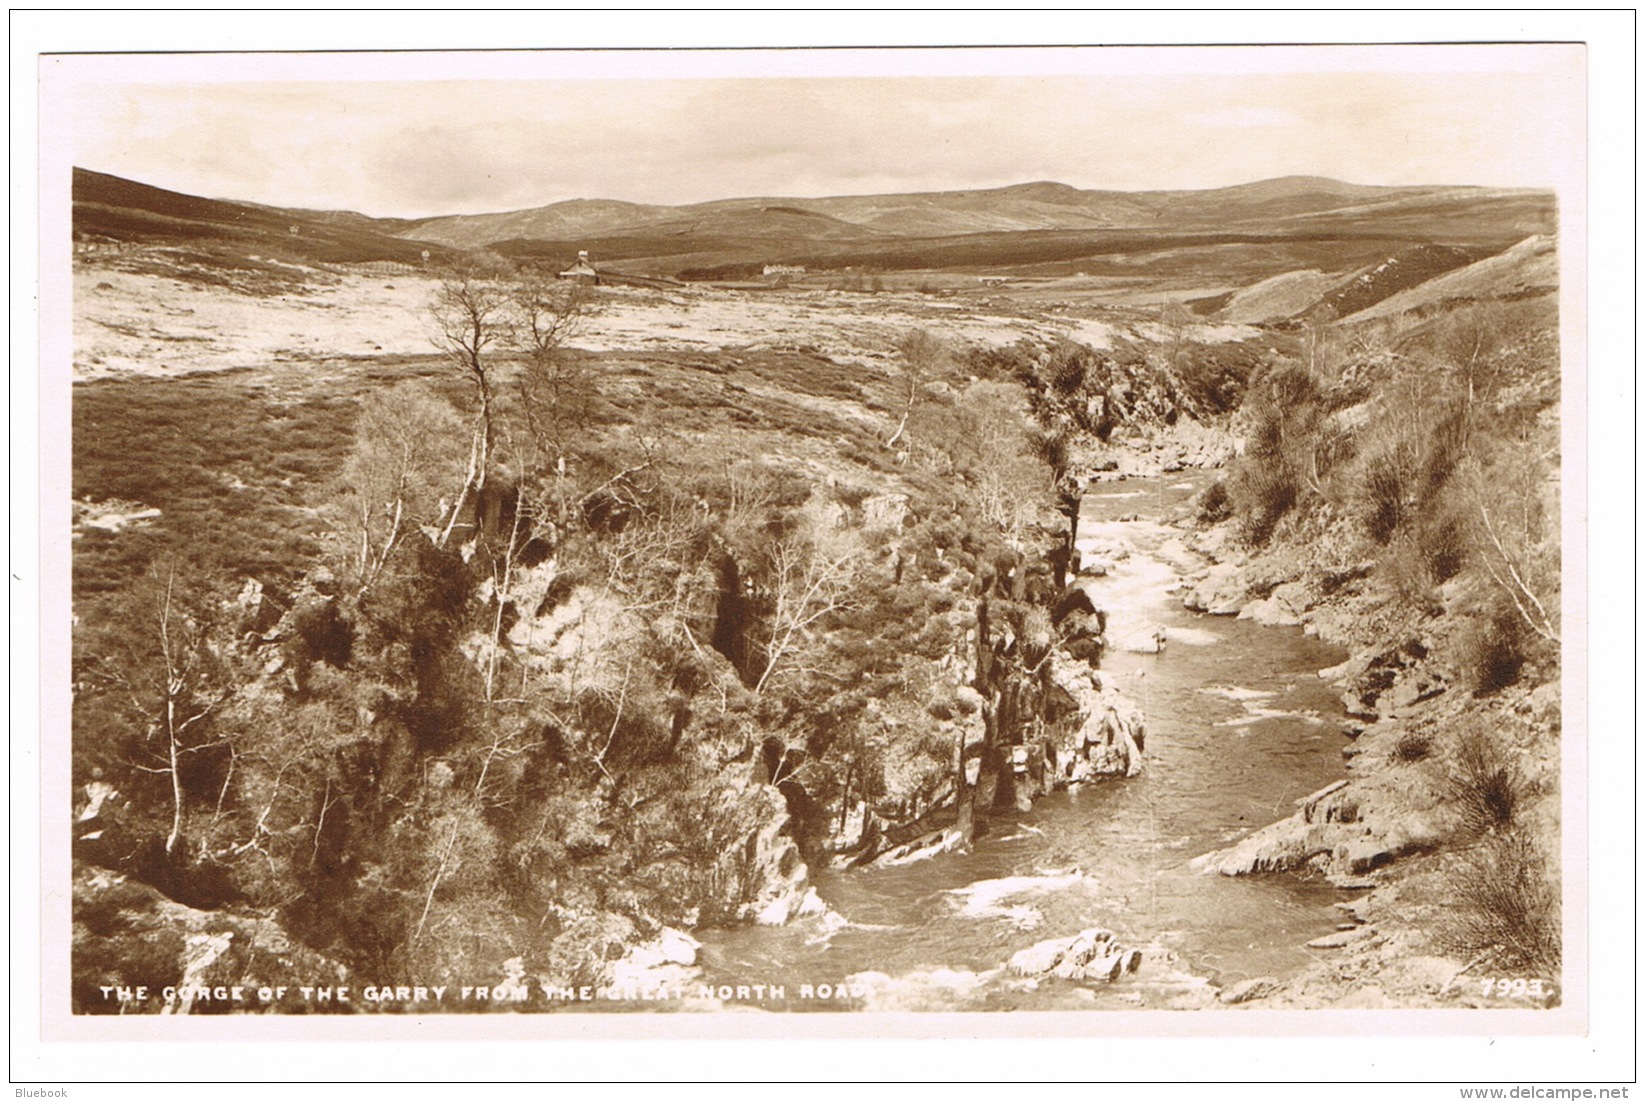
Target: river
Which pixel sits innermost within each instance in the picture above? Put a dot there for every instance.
(1239, 727)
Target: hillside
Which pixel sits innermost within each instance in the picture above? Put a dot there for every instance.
(111, 209)
(1287, 295)
(1528, 268)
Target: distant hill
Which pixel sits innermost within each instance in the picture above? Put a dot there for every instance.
(570, 219)
(1043, 205)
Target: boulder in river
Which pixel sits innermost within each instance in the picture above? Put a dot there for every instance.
(1222, 592)
(1344, 938)
(1091, 954)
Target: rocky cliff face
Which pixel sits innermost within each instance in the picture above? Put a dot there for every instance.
(1020, 709)
(1105, 733)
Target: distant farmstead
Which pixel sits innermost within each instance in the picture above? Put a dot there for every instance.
(784, 270)
(582, 271)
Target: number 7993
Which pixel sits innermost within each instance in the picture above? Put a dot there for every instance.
(1517, 988)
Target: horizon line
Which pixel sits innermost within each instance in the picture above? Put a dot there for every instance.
(816, 198)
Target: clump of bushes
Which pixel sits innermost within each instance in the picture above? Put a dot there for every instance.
(1287, 408)
(1505, 891)
(1214, 377)
(1382, 495)
(1213, 505)
(1261, 497)
(1443, 541)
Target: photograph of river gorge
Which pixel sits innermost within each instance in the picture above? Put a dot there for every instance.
(618, 535)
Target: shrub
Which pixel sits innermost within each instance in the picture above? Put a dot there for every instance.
(1404, 574)
(1443, 543)
(1447, 443)
(1492, 650)
(1213, 504)
(1383, 497)
(1066, 370)
(1483, 782)
(1214, 378)
(1412, 746)
(1262, 494)
(1507, 904)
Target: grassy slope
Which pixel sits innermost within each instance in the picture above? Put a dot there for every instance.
(240, 462)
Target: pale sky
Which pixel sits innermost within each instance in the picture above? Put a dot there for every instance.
(492, 132)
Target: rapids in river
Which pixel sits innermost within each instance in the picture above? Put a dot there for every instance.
(1240, 726)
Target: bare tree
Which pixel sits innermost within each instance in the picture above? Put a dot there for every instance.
(1476, 344)
(1516, 542)
(556, 389)
(1322, 343)
(1176, 319)
(470, 316)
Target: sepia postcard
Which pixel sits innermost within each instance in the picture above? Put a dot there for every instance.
(760, 544)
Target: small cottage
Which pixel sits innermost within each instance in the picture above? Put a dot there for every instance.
(582, 271)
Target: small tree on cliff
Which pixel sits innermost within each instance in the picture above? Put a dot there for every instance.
(1176, 319)
(165, 677)
(809, 577)
(556, 389)
(406, 454)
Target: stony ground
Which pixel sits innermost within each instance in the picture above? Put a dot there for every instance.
(161, 318)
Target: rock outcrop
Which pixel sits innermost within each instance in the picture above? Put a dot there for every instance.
(1248, 991)
(770, 863)
(1331, 833)
(1221, 592)
(1108, 736)
(1284, 607)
